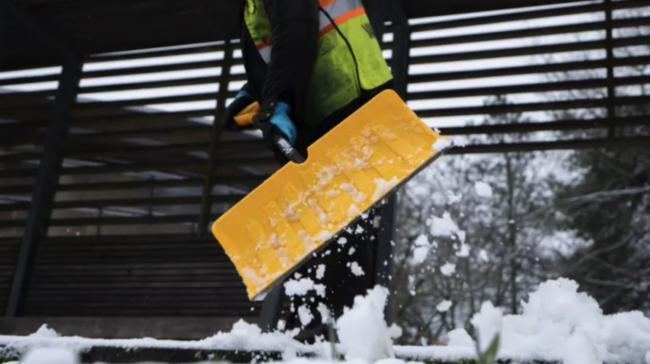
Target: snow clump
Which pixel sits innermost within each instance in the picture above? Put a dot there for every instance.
(356, 269)
(305, 315)
(459, 337)
(444, 226)
(487, 322)
(45, 331)
(444, 306)
(420, 254)
(483, 189)
(50, 356)
(320, 271)
(442, 143)
(448, 269)
(421, 249)
(362, 331)
(300, 287)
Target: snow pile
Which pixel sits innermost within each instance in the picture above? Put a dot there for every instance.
(50, 356)
(487, 324)
(560, 323)
(362, 331)
(242, 337)
(249, 337)
(45, 331)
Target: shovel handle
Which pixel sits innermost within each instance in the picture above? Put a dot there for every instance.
(287, 150)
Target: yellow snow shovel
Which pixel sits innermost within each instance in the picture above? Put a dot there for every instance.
(297, 210)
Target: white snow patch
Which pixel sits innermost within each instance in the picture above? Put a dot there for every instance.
(448, 269)
(420, 254)
(442, 143)
(45, 331)
(50, 356)
(459, 337)
(342, 241)
(444, 306)
(559, 323)
(562, 243)
(305, 315)
(356, 269)
(362, 330)
(483, 189)
(463, 251)
(383, 186)
(300, 287)
(483, 255)
(487, 322)
(421, 240)
(320, 271)
(324, 312)
(454, 198)
(443, 226)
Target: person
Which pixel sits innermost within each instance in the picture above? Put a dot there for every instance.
(310, 64)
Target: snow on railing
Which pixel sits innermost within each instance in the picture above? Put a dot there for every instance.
(557, 324)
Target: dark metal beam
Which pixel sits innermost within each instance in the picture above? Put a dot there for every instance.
(217, 128)
(45, 186)
(601, 143)
(399, 66)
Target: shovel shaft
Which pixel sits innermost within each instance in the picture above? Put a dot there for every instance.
(287, 149)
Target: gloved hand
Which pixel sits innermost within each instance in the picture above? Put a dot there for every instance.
(242, 100)
(274, 118)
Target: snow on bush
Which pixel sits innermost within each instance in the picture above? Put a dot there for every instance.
(560, 323)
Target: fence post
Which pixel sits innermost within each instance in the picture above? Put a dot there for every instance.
(399, 65)
(217, 128)
(45, 185)
(611, 88)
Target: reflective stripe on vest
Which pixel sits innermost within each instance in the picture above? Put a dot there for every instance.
(339, 10)
(340, 72)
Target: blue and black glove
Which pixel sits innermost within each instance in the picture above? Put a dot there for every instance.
(243, 104)
(277, 127)
(274, 119)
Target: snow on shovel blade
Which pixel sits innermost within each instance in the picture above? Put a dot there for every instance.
(297, 210)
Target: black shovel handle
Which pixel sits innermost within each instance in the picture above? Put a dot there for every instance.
(282, 144)
(287, 149)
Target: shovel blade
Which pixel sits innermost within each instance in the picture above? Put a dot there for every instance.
(301, 207)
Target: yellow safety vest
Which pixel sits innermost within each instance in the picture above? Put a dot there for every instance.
(333, 83)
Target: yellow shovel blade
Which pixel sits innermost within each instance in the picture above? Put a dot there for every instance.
(301, 206)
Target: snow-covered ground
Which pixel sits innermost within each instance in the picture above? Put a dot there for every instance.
(558, 323)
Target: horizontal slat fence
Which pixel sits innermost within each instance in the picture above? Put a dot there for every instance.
(138, 187)
(579, 71)
(21, 147)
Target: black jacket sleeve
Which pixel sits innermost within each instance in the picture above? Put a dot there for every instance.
(294, 26)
